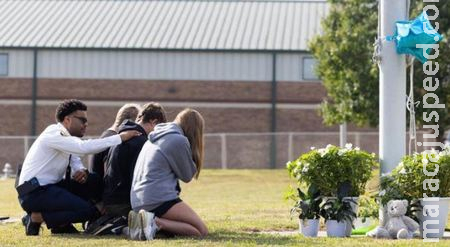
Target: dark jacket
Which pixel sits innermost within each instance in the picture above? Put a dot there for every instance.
(120, 166)
(98, 160)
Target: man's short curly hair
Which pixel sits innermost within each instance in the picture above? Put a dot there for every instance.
(67, 107)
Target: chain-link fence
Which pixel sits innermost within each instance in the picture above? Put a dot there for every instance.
(232, 150)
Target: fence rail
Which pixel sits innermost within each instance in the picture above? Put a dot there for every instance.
(230, 150)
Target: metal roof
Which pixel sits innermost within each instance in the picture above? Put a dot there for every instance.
(140, 24)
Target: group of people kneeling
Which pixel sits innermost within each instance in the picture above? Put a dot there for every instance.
(132, 186)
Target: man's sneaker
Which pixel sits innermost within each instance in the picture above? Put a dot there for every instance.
(32, 228)
(148, 224)
(25, 219)
(67, 229)
(135, 226)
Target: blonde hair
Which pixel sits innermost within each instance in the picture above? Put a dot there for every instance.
(192, 124)
(128, 111)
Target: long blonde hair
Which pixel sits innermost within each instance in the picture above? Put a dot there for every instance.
(192, 124)
(127, 111)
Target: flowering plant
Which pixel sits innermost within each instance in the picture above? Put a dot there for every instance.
(329, 167)
(414, 182)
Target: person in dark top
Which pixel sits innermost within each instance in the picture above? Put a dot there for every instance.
(122, 159)
(128, 111)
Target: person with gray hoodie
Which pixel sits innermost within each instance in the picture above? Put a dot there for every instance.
(174, 152)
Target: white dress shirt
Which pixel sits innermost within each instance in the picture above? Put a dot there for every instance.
(48, 157)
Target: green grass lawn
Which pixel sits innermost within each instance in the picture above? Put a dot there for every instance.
(239, 207)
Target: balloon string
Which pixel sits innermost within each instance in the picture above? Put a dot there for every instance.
(411, 105)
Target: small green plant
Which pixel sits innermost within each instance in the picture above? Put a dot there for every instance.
(340, 208)
(307, 205)
(331, 166)
(368, 208)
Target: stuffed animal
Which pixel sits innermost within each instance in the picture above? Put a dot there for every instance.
(397, 225)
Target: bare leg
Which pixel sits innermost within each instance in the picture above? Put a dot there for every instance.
(182, 220)
(177, 228)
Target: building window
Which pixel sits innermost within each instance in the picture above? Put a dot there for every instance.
(3, 64)
(309, 69)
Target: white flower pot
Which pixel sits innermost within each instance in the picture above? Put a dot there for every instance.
(336, 229)
(435, 223)
(355, 207)
(309, 228)
(360, 224)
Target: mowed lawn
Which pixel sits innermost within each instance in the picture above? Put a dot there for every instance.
(240, 207)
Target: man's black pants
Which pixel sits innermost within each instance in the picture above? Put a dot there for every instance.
(65, 202)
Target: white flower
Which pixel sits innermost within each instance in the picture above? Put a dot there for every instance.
(373, 154)
(305, 169)
(357, 149)
(312, 148)
(329, 146)
(348, 146)
(402, 171)
(341, 152)
(383, 192)
(322, 152)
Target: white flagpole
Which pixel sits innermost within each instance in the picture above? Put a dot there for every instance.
(392, 88)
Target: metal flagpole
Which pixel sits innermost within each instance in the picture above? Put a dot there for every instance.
(392, 88)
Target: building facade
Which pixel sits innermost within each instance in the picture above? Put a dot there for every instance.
(243, 64)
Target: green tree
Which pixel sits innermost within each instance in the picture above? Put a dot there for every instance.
(344, 52)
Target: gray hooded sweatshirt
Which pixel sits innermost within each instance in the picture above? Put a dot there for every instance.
(164, 159)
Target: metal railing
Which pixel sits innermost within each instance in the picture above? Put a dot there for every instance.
(230, 150)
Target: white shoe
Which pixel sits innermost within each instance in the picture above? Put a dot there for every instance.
(134, 226)
(148, 224)
(126, 231)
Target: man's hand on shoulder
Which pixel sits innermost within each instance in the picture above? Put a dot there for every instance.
(127, 135)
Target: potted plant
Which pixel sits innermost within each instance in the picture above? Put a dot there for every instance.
(331, 166)
(307, 205)
(431, 187)
(338, 212)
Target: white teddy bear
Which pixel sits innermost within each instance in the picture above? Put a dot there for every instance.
(397, 225)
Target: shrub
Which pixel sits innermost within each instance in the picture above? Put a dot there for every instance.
(409, 175)
(331, 166)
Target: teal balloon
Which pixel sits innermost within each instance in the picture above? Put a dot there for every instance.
(418, 31)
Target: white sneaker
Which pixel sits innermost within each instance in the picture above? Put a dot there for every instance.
(135, 226)
(148, 224)
(126, 231)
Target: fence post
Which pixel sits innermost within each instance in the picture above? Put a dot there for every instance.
(223, 142)
(25, 146)
(290, 146)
